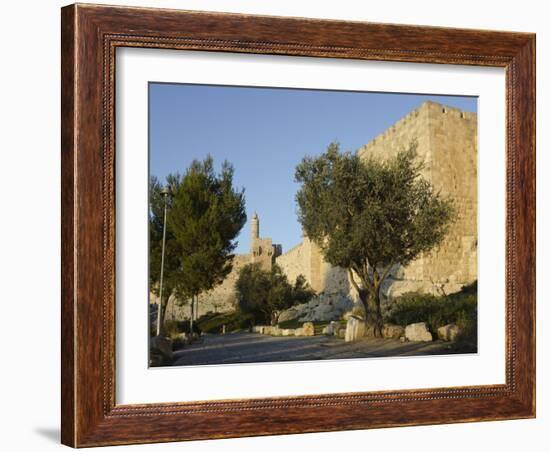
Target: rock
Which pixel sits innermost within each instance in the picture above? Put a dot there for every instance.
(392, 331)
(276, 331)
(162, 346)
(299, 332)
(342, 333)
(289, 314)
(330, 329)
(182, 338)
(308, 329)
(448, 332)
(287, 332)
(355, 329)
(321, 308)
(403, 339)
(418, 332)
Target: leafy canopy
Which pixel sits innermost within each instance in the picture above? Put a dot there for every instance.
(205, 216)
(369, 214)
(172, 252)
(265, 293)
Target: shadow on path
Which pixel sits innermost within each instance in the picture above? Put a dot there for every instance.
(253, 348)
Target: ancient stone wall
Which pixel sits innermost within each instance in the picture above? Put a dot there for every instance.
(306, 259)
(296, 261)
(220, 299)
(447, 143)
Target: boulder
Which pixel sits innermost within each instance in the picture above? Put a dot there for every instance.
(418, 332)
(448, 332)
(287, 332)
(392, 331)
(342, 333)
(355, 329)
(161, 346)
(321, 308)
(290, 314)
(331, 329)
(299, 332)
(308, 329)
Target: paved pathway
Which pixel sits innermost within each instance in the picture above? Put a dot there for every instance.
(253, 348)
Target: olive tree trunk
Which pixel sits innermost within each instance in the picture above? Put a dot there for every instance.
(370, 298)
(373, 314)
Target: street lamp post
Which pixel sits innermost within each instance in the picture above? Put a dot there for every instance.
(165, 192)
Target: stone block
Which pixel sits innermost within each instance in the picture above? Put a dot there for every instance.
(418, 332)
(392, 331)
(355, 329)
(308, 329)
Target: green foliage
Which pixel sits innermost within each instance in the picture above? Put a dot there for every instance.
(466, 342)
(204, 215)
(172, 253)
(233, 321)
(459, 308)
(264, 294)
(172, 328)
(369, 215)
(301, 291)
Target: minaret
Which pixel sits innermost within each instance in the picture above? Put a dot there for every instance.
(254, 229)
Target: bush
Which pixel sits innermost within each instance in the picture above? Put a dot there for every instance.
(233, 321)
(173, 328)
(264, 294)
(459, 308)
(466, 342)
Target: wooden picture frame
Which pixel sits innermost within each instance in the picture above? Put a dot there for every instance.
(90, 36)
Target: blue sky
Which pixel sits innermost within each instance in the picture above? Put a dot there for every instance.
(264, 133)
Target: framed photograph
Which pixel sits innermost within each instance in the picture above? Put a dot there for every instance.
(281, 225)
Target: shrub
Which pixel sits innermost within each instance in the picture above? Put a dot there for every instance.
(466, 341)
(173, 328)
(459, 308)
(233, 321)
(264, 294)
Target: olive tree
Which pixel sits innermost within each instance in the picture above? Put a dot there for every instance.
(368, 215)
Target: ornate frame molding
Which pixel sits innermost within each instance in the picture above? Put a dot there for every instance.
(90, 36)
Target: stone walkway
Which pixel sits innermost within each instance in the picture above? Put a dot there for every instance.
(253, 348)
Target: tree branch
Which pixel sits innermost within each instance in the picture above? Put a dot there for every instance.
(352, 279)
(390, 266)
(364, 279)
